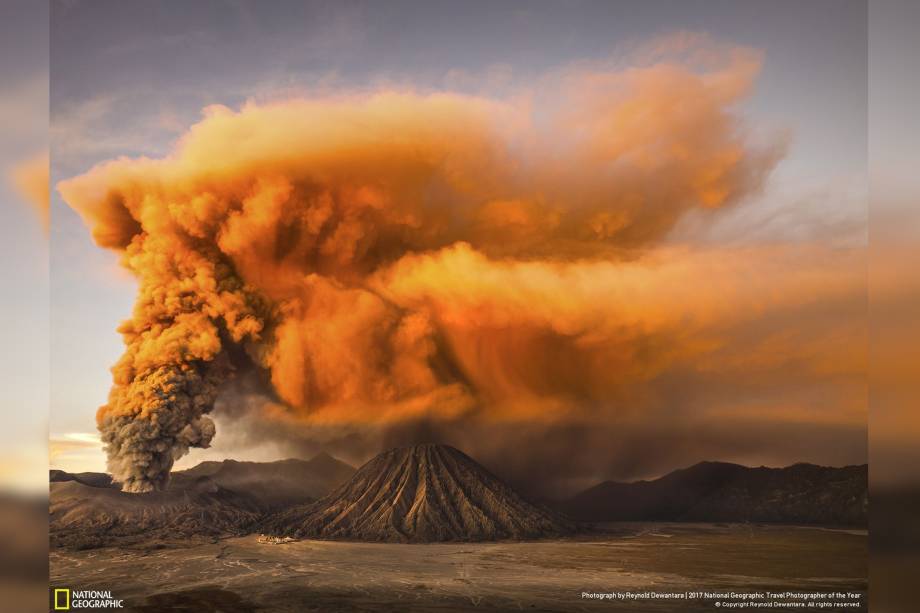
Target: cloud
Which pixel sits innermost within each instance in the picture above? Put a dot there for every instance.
(398, 264)
(76, 451)
(32, 178)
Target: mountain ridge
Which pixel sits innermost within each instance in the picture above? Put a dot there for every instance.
(277, 484)
(415, 500)
(721, 491)
(212, 499)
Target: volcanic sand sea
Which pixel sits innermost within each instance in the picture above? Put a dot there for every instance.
(241, 574)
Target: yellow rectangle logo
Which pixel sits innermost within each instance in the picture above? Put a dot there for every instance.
(65, 592)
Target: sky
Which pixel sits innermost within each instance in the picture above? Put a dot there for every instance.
(894, 284)
(130, 78)
(24, 267)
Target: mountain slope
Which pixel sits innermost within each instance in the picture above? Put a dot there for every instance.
(274, 484)
(423, 493)
(90, 479)
(212, 499)
(718, 491)
(83, 516)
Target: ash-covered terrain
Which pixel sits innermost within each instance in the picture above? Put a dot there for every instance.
(427, 493)
(244, 575)
(427, 528)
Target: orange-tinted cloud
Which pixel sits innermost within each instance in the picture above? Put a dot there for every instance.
(32, 179)
(397, 255)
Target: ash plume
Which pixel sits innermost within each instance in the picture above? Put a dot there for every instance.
(395, 256)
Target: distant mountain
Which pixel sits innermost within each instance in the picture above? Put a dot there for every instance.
(428, 493)
(423, 493)
(721, 492)
(90, 479)
(83, 516)
(274, 484)
(209, 500)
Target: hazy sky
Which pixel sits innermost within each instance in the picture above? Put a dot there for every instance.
(895, 237)
(24, 265)
(128, 78)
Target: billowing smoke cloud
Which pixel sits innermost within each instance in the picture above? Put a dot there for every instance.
(395, 257)
(591, 370)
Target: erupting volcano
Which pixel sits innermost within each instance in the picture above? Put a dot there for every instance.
(386, 257)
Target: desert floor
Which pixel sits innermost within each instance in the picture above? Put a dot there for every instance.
(243, 575)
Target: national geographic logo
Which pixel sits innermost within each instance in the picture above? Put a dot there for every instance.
(61, 599)
(66, 599)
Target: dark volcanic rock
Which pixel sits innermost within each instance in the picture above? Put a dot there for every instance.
(210, 500)
(83, 516)
(721, 492)
(424, 493)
